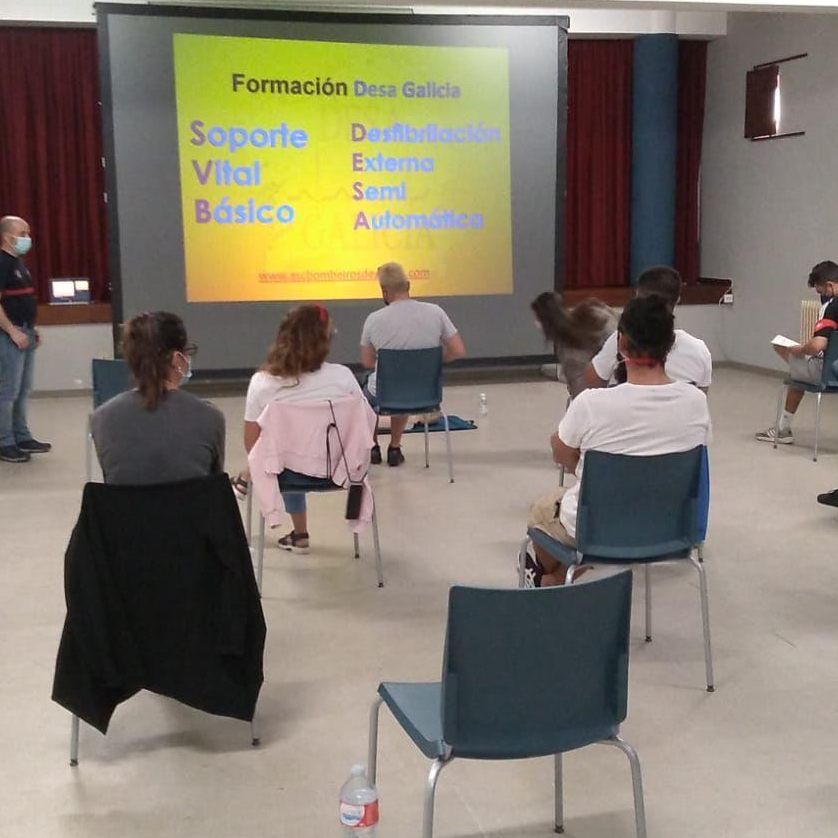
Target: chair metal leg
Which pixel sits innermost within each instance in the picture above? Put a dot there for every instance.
(705, 620)
(636, 782)
(427, 438)
(571, 572)
(448, 448)
(558, 821)
(522, 561)
(357, 545)
(260, 553)
(376, 543)
(780, 405)
(248, 517)
(817, 427)
(255, 741)
(699, 549)
(430, 795)
(88, 455)
(372, 747)
(648, 581)
(74, 741)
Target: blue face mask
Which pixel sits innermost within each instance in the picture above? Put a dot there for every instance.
(23, 244)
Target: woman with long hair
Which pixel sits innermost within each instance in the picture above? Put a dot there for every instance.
(157, 433)
(577, 333)
(296, 370)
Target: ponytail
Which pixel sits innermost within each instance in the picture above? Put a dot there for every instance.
(148, 341)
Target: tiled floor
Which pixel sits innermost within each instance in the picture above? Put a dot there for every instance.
(758, 758)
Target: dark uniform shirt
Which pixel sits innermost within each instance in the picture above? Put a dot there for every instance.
(828, 322)
(17, 293)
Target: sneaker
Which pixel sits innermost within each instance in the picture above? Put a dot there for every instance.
(829, 498)
(240, 487)
(532, 572)
(13, 454)
(394, 456)
(32, 446)
(375, 455)
(785, 437)
(294, 542)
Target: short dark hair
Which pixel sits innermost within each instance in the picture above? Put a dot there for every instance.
(822, 273)
(661, 280)
(648, 325)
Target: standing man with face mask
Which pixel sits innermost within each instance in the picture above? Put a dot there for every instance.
(18, 341)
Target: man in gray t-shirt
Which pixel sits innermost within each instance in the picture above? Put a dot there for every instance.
(403, 324)
(181, 438)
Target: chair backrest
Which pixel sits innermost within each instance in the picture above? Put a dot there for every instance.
(409, 380)
(639, 507)
(562, 650)
(110, 378)
(830, 363)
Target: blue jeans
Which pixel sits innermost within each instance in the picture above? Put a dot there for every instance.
(16, 367)
(295, 502)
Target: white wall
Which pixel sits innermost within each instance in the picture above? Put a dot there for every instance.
(769, 209)
(63, 360)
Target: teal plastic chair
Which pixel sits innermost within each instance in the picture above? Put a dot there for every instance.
(492, 671)
(109, 379)
(409, 381)
(828, 384)
(639, 510)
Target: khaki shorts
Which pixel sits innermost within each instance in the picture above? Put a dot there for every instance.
(806, 368)
(544, 516)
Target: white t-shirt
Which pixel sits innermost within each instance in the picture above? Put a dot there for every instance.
(331, 381)
(406, 324)
(640, 419)
(689, 360)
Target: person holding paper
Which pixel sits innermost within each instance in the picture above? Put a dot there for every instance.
(806, 361)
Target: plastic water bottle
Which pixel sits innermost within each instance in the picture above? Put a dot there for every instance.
(484, 405)
(359, 805)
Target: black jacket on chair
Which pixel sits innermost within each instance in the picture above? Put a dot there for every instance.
(160, 596)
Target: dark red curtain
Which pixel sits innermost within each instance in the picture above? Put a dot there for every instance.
(51, 151)
(692, 75)
(597, 233)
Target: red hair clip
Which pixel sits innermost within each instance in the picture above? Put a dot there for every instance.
(323, 314)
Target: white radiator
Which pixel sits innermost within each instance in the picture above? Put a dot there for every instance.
(809, 315)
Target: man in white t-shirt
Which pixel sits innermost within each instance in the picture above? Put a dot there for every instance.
(650, 414)
(689, 359)
(404, 323)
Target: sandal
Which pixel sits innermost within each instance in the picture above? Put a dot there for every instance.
(294, 542)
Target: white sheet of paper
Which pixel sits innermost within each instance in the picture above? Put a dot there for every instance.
(782, 340)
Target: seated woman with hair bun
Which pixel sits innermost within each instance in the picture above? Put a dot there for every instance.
(157, 433)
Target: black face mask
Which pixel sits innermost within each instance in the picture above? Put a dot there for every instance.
(825, 298)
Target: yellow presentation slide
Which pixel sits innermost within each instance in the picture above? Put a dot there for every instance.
(304, 165)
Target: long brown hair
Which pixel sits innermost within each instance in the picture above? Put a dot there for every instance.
(579, 327)
(302, 342)
(148, 342)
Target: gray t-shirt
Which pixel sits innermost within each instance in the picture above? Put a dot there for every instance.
(182, 438)
(406, 324)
